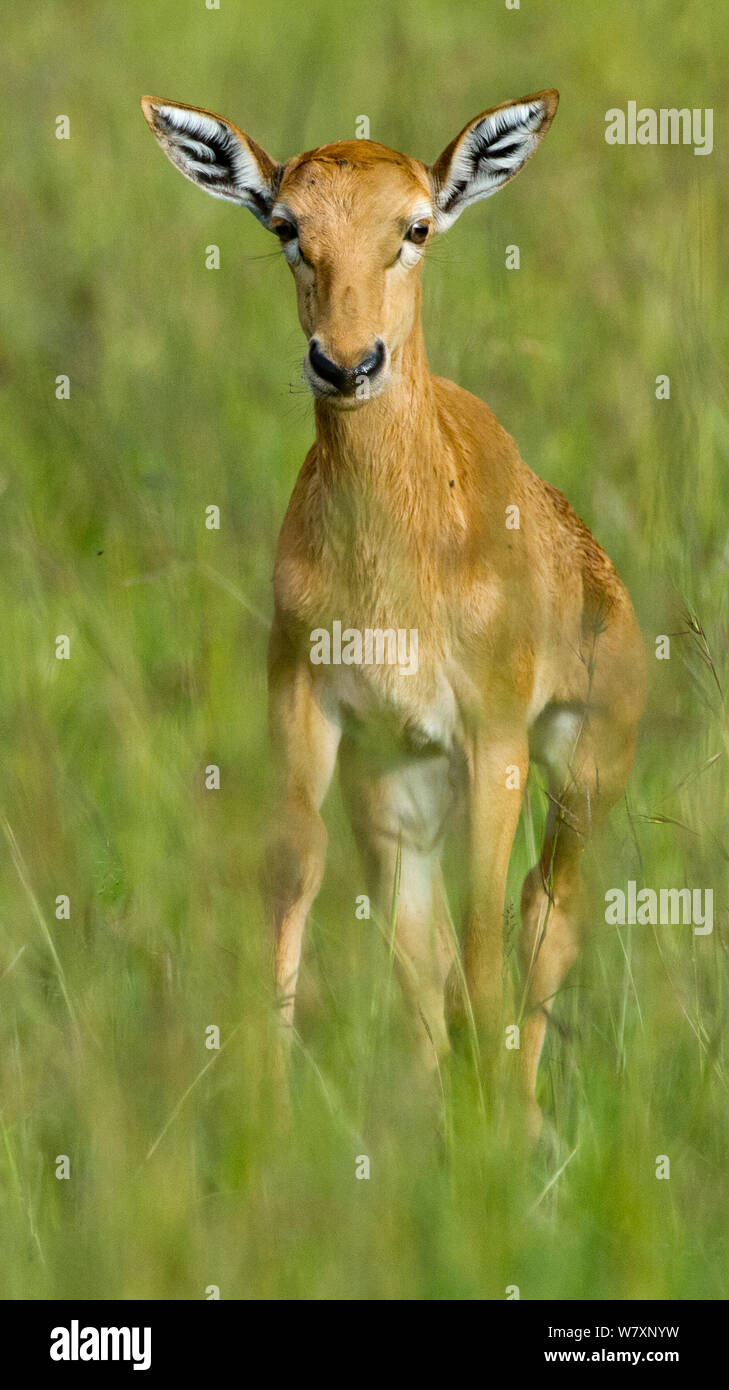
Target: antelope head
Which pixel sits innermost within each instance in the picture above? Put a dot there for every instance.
(354, 220)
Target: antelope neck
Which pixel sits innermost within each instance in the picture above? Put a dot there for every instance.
(390, 443)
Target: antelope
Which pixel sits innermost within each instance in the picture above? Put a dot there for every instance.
(528, 644)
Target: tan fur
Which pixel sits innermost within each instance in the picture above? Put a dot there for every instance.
(528, 645)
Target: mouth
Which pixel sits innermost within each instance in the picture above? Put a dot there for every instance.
(341, 401)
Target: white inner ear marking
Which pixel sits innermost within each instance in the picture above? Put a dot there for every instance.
(211, 154)
(196, 147)
(492, 151)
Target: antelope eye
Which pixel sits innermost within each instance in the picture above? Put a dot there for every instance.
(285, 231)
(418, 233)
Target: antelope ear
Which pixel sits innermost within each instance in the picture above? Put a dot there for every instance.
(215, 155)
(489, 151)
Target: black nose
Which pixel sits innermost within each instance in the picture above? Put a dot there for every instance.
(346, 379)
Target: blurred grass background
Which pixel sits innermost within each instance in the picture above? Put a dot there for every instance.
(184, 393)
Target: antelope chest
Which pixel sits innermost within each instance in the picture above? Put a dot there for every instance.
(386, 684)
(390, 649)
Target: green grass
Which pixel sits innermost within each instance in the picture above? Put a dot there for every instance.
(180, 398)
